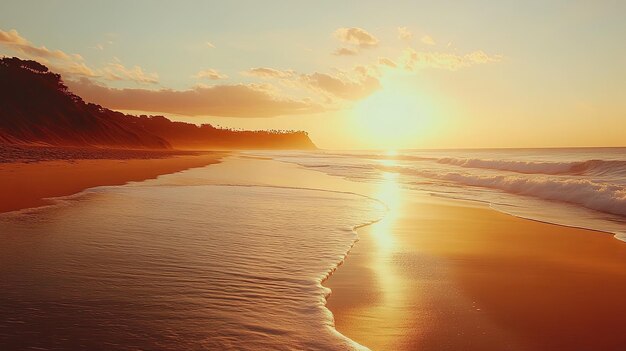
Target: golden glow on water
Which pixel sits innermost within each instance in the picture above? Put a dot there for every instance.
(386, 245)
(388, 192)
(209, 266)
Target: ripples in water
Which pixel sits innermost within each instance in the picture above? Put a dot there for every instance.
(177, 268)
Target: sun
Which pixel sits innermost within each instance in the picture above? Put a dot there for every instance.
(393, 119)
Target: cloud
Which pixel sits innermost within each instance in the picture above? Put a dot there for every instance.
(450, 61)
(404, 33)
(12, 37)
(345, 52)
(480, 56)
(210, 45)
(427, 39)
(102, 46)
(116, 71)
(14, 41)
(73, 65)
(265, 72)
(57, 60)
(211, 74)
(240, 100)
(342, 86)
(356, 36)
(73, 69)
(387, 62)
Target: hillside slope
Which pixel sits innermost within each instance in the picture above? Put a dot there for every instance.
(36, 108)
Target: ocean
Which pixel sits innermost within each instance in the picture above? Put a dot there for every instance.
(177, 263)
(579, 187)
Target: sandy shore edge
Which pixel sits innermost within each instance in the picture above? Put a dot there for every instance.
(26, 185)
(446, 275)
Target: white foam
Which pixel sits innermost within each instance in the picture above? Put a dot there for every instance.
(602, 197)
(538, 167)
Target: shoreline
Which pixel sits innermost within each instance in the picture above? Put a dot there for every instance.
(616, 235)
(33, 184)
(445, 275)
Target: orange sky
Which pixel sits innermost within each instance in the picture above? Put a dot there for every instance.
(398, 74)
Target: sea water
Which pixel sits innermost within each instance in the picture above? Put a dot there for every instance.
(195, 266)
(580, 187)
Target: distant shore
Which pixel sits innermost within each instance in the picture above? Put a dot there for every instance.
(449, 275)
(29, 176)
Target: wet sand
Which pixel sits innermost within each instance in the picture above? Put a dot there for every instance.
(449, 275)
(29, 184)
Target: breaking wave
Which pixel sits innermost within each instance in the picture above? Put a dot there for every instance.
(608, 198)
(587, 167)
(590, 167)
(583, 187)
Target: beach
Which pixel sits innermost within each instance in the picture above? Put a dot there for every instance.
(312, 176)
(240, 254)
(29, 176)
(451, 275)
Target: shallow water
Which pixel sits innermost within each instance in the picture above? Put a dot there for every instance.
(584, 187)
(156, 266)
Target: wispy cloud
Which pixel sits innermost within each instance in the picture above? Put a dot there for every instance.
(427, 39)
(116, 71)
(102, 46)
(345, 52)
(73, 65)
(266, 72)
(450, 61)
(356, 36)
(57, 60)
(404, 33)
(340, 85)
(14, 41)
(387, 62)
(239, 100)
(211, 74)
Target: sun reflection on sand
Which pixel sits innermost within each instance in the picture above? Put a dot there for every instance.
(389, 191)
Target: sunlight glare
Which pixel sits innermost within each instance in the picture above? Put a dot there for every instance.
(388, 191)
(394, 118)
(391, 153)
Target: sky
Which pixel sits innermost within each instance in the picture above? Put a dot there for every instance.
(354, 74)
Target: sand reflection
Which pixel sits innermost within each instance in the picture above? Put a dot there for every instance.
(388, 192)
(389, 316)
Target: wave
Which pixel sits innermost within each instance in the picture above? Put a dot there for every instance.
(603, 197)
(590, 167)
(589, 192)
